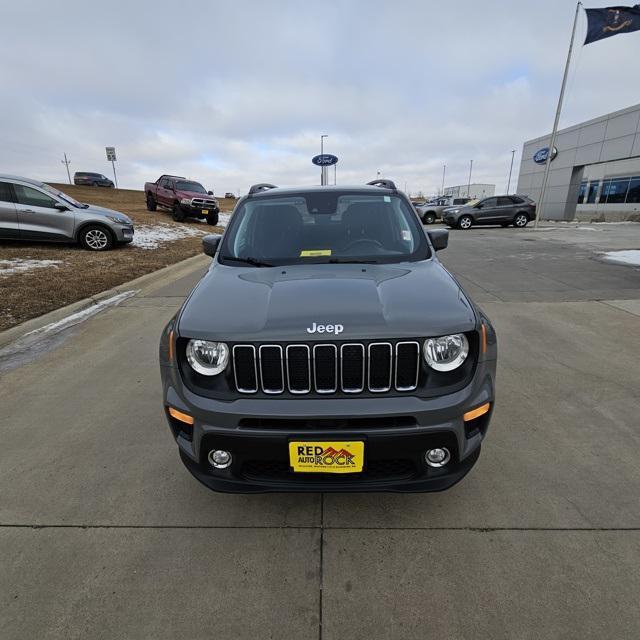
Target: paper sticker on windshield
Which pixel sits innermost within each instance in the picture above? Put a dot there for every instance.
(387, 199)
(406, 235)
(312, 253)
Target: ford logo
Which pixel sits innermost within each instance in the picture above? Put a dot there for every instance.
(540, 157)
(324, 160)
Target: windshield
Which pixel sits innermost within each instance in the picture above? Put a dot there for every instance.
(324, 227)
(471, 203)
(196, 187)
(72, 201)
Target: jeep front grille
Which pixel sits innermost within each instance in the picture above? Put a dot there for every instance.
(351, 368)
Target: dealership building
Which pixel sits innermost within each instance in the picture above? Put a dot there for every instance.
(595, 173)
(473, 190)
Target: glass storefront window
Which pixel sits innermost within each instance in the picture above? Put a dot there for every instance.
(634, 190)
(593, 191)
(617, 191)
(582, 192)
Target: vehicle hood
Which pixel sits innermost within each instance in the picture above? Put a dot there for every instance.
(95, 210)
(407, 300)
(458, 207)
(193, 194)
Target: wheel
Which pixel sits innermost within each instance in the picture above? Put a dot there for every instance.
(151, 203)
(96, 238)
(95, 184)
(465, 222)
(212, 219)
(429, 218)
(521, 220)
(177, 212)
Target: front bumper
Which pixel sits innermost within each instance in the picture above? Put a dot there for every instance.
(124, 233)
(396, 431)
(198, 211)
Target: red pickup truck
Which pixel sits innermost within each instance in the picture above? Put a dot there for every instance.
(185, 198)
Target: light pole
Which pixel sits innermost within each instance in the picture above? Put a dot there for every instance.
(67, 163)
(444, 172)
(513, 153)
(469, 183)
(323, 169)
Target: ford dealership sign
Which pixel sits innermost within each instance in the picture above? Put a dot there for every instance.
(324, 160)
(540, 157)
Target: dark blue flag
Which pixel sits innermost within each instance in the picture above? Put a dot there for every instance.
(611, 21)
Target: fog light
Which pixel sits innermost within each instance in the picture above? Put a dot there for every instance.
(219, 459)
(437, 457)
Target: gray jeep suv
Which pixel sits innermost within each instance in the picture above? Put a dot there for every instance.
(33, 210)
(328, 349)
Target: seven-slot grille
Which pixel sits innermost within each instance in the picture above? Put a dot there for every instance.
(351, 367)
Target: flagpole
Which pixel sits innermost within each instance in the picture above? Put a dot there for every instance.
(556, 121)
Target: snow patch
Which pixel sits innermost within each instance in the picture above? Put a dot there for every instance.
(20, 265)
(628, 256)
(33, 344)
(223, 219)
(152, 236)
(78, 317)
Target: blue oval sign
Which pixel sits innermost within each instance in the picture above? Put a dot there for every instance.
(540, 156)
(324, 160)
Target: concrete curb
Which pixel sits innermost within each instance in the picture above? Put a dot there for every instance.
(143, 283)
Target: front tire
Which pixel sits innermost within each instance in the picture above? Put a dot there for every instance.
(521, 220)
(96, 238)
(177, 213)
(429, 218)
(465, 222)
(212, 219)
(151, 203)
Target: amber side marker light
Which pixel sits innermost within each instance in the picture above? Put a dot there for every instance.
(178, 415)
(484, 337)
(171, 346)
(476, 413)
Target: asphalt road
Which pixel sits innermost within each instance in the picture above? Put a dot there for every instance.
(103, 533)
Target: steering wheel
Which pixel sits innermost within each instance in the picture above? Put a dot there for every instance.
(363, 241)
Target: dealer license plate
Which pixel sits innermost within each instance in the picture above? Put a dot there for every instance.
(326, 457)
(205, 212)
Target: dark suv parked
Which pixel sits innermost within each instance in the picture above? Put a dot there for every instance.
(93, 179)
(502, 210)
(328, 349)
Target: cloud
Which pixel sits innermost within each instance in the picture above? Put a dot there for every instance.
(238, 92)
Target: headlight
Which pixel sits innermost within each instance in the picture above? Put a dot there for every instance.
(454, 211)
(207, 358)
(447, 352)
(117, 219)
(185, 201)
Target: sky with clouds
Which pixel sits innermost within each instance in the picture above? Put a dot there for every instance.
(237, 92)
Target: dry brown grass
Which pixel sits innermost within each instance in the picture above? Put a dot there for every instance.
(86, 273)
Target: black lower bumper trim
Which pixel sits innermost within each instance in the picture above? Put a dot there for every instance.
(286, 481)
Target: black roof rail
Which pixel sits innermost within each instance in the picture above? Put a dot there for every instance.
(262, 186)
(385, 184)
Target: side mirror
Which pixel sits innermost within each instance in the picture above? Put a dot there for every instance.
(61, 207)
(479, 205)
(439, 238)
(210, 193)
(210, 244)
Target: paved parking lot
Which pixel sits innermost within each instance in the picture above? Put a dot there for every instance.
(103, 533)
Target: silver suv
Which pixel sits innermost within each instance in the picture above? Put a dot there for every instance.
(33, 210)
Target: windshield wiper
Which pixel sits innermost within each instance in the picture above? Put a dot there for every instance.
(251, 261)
